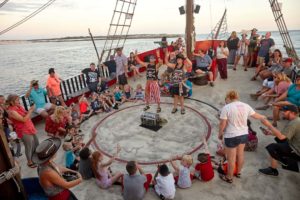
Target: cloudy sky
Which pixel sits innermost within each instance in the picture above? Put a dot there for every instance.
(74, 17)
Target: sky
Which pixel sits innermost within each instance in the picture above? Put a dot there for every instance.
(74, 17)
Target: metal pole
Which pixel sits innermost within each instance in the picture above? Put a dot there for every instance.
(190, 29)
(92, 38)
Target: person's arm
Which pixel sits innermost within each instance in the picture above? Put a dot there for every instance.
(258, 116)
(155, 175)
(18, 117)
(282, 97)
(167, 60)
(174, 165)
(140, 169)
(27, 95)
(222, 126)
(274, 130)
(225, 51)
(110, 161)
(138, 60)
(56, 179)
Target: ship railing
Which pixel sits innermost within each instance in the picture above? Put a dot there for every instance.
(70, 88)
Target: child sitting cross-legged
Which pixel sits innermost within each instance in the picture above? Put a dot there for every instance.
(135, 185)
(96, 104)
(139, 94)
(204, 169)
(119, 95)
(84, 107)
(128, 93)
(164, 183)
(183, 176)
(104, 177)
(71, 160)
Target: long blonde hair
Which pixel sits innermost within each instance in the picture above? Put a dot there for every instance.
(96, 155)
(282, 77)
(58, 114)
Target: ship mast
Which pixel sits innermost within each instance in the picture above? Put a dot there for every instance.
(190, 28)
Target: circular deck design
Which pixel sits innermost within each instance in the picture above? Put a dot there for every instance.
(183, 134)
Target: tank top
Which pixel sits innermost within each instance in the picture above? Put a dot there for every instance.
(151, 73)
(54, 190)
(178, 75)
(22, 127)
(242, 50)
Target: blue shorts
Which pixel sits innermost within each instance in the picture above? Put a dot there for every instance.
(235, 141)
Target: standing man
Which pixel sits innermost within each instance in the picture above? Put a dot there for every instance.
(37, 96)
(121, 68)
(287, 144)
(265, 45)
(92, 77)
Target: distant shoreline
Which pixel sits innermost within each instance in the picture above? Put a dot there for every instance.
(87, 38)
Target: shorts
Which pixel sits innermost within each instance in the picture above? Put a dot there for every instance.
(175, 91)
(260, 60)
(46, 107)
(235, 141)
(268, 84)
(93, 87)
(122, 79)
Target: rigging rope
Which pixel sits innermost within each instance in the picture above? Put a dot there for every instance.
(27, 17)
(4, 2)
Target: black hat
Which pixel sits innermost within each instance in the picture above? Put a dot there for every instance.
(291, 108)
(46, 150)
(51, 70)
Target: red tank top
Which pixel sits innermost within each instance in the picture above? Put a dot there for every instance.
(22, 128)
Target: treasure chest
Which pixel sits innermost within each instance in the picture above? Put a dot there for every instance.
(150, 119)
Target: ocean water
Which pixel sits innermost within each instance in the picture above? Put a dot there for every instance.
(20, 63)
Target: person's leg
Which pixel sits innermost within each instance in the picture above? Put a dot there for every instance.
(175, 103)
(147, 93)
(240, 157)
(275, 115)
(116, 177)
(231, 157)
(237, 59)
(181, 98)
(211, 76)
(61, 100)
(28, 144)
(224, 62)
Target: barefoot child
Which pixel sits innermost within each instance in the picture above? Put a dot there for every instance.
(104, 178)
(139, 95)
(183, 178)
(164, 183)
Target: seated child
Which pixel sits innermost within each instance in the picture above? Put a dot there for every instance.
(127, 93)
(204, 169)
(135, 185)
(118, 95)
(183, 178)
(104, 178)
(84, 107)
(164, 183)
(252, 142)
(96, 104)
(105, 101)
(75, 138)
(75, 114)
(71, 160)
(139, 94)
(85, 164)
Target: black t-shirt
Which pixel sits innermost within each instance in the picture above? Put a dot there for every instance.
(91, 76)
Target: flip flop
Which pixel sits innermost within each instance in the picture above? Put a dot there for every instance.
(238, 175)
(158, 110)
(146, 108)
(174, 110)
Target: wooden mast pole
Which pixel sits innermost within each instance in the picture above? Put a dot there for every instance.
(190, 28)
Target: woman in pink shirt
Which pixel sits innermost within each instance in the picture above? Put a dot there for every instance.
(53, 87)
(21, 121)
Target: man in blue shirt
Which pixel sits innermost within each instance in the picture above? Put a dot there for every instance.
(203, 65)
(37, 96)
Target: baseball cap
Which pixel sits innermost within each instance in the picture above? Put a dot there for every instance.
(288, 60)
(291, 108)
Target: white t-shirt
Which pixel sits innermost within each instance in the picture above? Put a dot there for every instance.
(236, 114)
(184, 179)
(165, 186)
(220, 54)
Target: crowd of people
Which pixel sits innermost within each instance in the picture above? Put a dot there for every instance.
(280, 91)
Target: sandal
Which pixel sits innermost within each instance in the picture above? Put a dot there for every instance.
(225, 178)
(238, 175)
(174, 110)
(32, 165)
(158, 110)
(234, 69)
(182, 111)
(146, 108)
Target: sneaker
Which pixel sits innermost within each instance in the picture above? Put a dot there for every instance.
(269, 171)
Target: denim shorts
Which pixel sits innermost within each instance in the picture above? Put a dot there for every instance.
(235, 141)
